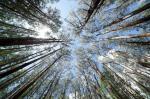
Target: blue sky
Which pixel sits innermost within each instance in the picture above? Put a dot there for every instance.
(65, 7)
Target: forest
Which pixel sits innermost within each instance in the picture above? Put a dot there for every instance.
(74, 49)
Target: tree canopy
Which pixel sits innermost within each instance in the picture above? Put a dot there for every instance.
(100, 51)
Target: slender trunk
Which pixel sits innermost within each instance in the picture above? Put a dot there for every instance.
(18, 48)
(140, 43)
(9, 81)
(135, 80)
(24, 87)
(14, 26)
(34, 90)
(48, 93)
(141, 9)
(17, 13)
(91, 11)
(130, 90)
(25, 41)
(40, 11)
(128, 37)
(145, 64)
(25, 58)
(116, 89)
(13, 50)
(99, 6)
(142, 20)
(88, 86)
(94, 6)
(37, 84)
(8, 72)
(102, 78)
(64, 91)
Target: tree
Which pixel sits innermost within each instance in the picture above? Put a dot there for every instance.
(108, 59)
(30, 11)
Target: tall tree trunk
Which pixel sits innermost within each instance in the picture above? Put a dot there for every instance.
(19, 60)
(9, 81)
(48, 93)
(24, 87)
(26, 41)
(8, 72)
(14, 26)
(17, 13)
(128, 37)
(139, 21)
(137, 11)
(139, 43)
